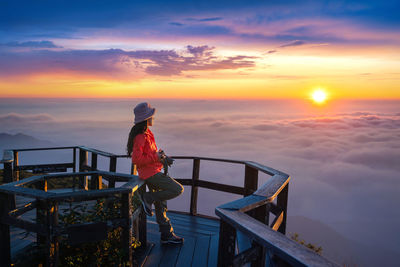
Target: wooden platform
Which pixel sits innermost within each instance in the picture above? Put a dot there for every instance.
(200, 247)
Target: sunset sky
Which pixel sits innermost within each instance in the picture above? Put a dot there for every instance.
(200, 49)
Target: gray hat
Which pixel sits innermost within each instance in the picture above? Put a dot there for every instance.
(143, 111)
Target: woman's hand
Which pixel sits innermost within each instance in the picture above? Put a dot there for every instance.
(161, 155)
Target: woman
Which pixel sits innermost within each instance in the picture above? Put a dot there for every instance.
(149, 162)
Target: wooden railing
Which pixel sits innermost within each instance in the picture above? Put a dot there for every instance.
(246, 219)
(88, 180)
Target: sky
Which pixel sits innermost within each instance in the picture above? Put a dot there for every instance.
(88, 63)
(199, 49)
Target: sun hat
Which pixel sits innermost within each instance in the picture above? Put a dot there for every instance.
(143, 111)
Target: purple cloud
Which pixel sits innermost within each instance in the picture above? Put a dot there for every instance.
(294, 43)
(176, 24)
(120, 63)
(32, 44)
(205, 19)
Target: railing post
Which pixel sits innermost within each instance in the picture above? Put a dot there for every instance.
(41, 215)
(5, 249)
(16, 170)
(195, 190)
(113, 168)
(133, 169)
(250, 180)
(8, 178)
(126, 212)
(282, 203)
(53, 240)
(74, 159)
(8, 172)
(94, 178)
(226, 244)
(83, 161)
(142, 221)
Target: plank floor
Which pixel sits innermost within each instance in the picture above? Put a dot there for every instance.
(199, 248)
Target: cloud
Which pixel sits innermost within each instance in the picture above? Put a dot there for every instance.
(200, 50)
(343, 165)
(294, 43)
(20, 119)
(271, 51)
(205, 19)
(32, 44)
(176, 24)
(117, 63)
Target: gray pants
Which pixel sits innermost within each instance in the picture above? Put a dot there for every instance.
(162, 188)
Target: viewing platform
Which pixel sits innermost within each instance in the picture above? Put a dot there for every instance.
(249, 230)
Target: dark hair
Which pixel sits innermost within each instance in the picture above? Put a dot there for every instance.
(138, 128)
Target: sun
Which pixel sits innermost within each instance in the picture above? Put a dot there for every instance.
(319, 96)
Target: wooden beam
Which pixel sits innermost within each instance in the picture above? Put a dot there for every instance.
(142, 223)
(8, 172)
(134, 169)
(250, 180)
(7, 179)
(126, 214)
(74, 159)
(99, 152)
(28, 192)
(272, 187)
(112, 168)
(277, 221)
(220, 187)
(46, 148)
(5, 243)
(246, 256)
(41, 215)
(83, 161)
(46, 168)
(88, 195)
(245, 204)
(54, 246)
(15, 166)
(184, 181)
(226, 244)
(27, 207)
(282, 203)
(265, 169)
(210, 159)
(26, 181)
(20, 223)
(194, 191)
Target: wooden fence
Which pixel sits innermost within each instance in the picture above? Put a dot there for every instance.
(265, 243)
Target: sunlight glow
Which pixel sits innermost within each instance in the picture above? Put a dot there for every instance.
(319, 96)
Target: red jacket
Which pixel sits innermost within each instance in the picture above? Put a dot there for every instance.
(144, 155)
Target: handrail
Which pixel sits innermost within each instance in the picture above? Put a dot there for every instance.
(267, 240)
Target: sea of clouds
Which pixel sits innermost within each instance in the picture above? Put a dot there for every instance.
(344, 162)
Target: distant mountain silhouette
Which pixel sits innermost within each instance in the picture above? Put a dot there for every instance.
(338, 248)
(19, 140)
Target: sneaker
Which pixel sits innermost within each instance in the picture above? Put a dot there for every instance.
(146, 205)
(171, 239)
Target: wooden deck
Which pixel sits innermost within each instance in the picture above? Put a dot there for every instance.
(200, 247)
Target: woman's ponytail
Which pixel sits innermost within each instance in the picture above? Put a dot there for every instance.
(138, 128)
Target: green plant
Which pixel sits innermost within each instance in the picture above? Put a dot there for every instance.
(315, 248)
(103, 253)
